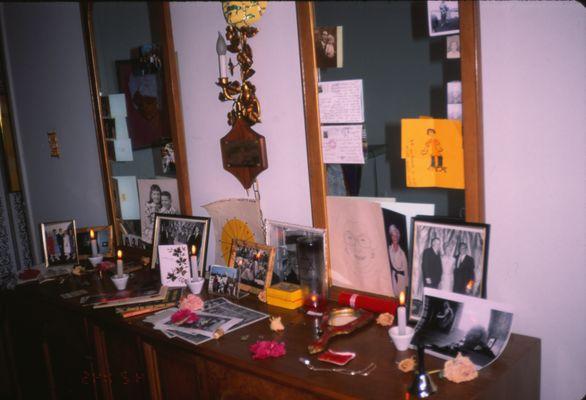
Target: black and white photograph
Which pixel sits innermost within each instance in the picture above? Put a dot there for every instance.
(453, 47)
(168, 159)
(223, 281)
(396, 235)
(454, 323)
(156, 196)
(447, 255)
(255, 265)
(454, 92)
(455, 111)
(283, 237)
(443, 17)
(328, 46)
(103, 237)
(59, 243)
(134, 241)
(222, 306)
(206, 324)
(182, 229)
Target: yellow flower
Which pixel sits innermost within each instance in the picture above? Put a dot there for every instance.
(408, 364)
(460, 369)
(385, 319)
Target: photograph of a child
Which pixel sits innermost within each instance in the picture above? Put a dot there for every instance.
(59, 243)
(156, 196)
(223, 281)
(254, 263)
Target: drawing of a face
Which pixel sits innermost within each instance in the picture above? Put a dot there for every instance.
(358, 244)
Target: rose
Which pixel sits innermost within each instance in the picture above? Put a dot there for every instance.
(460, 369)
(184, 316)
(265, 349)
(191, 303)
(385, 319)
(408, 364)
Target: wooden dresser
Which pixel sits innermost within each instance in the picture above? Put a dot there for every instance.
(53, 348)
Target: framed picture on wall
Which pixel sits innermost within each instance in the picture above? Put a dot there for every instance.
(447, 255)
(147, 116)
(59, 243)
(103, 235)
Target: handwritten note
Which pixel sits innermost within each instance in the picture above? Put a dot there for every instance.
(342, 144)
(341, 102)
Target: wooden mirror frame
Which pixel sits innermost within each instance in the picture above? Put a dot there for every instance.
(173, 97)
(471, 113)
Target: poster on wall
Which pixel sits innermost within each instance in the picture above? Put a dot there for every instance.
(145, 103)
(443, 17)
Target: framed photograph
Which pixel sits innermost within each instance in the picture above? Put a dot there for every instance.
(447, 255)
(443, 17)
(182, 229)
(103, 239)
(283, 237)
(454, 323)
(156, 196)
(146, 110)
(254, 263)
(174, 265)
(223, 281)
(59, 243)
(396, 235)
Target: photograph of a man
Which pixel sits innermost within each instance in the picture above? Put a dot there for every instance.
(431, 264)
(463, 270)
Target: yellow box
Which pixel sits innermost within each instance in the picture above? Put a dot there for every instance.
(290, 305)
(285, 291)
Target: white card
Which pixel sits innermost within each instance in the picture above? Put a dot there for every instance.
(342, 144)
(174, 265)
(341, 102)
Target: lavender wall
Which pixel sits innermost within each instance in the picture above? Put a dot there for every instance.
(50, 91)
(534, 69)
(284, 186)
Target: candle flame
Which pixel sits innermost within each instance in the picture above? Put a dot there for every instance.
(92, 234)
(470, 284)
(119, 254)
(313, 298)
(402, 298)
(193, 250)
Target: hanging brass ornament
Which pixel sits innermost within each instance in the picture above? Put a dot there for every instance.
(244, 152)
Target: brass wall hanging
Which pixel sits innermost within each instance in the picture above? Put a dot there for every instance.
(244, 152)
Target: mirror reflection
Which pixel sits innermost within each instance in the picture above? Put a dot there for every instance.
(128, 47)
(400, 71)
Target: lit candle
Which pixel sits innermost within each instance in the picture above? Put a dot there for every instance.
(469, 286)
(221, 50)
(402, 314)
(194, 269)
(93, 243)
(119, 264)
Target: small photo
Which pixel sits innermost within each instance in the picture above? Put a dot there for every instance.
(455, 111)
(103, 237)
(443, 17)
(453, 47)
(396, 235)
(255, 265)
(454, 92)
(449, 256)
(329, 46)
(134, 241)
(223, 281)
(168, 159)
(453, 323)
(59, 243)
(156, 196)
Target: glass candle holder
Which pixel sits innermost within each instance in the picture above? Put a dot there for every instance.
(312, 273)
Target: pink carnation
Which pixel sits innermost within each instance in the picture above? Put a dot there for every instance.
(265, 349)
(184, 316)
(191, 303)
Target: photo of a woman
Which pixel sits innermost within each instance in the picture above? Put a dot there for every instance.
(155, 196)
(398, 262)
(152, 207)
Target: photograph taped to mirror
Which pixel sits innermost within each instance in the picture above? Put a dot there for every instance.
(156, 196)
(443, 17)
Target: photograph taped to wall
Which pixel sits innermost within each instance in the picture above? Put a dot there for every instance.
(443, 17)
(329, 46)
(283, 237)
(454, 323)
(59, 243)
(447, 255)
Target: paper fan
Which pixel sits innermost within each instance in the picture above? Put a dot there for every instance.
(234, 229)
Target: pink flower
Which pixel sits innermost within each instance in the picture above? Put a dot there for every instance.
(191, 303)
(184, 316)
(265, 349)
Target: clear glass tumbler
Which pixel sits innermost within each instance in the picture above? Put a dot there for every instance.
(312, 272)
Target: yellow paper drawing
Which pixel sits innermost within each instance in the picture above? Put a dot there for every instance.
(432, 149)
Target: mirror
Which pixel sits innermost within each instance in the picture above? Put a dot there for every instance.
(368, 27)
(133, 72)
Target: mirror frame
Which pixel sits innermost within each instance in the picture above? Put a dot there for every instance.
(173, 97)
(471, 113)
